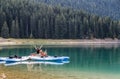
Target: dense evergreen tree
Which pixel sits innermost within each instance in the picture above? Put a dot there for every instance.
(28, 19)
(15, 29)
(103, 8)
(5, 30)
(12, 33)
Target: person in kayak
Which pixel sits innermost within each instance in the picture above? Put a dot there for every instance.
(36, 53)
(40, 52)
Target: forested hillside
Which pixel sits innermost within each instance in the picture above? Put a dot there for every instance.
(109, 8)
(28, 19)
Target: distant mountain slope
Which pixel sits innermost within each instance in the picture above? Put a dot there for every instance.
(109, 8)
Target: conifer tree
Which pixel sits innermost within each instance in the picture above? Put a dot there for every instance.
(5, 30)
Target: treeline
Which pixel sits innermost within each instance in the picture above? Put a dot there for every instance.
(28, 19)
(109, 8)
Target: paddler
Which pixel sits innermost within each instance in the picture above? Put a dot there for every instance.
(41, 53)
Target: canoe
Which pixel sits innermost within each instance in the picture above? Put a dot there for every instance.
(49, 58)
(17, 59)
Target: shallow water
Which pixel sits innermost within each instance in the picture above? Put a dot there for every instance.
(85, 63)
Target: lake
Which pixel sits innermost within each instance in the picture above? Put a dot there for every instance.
(86, 62)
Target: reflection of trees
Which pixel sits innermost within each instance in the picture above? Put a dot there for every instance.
(43, 68)
(94, 57)
(90, 57)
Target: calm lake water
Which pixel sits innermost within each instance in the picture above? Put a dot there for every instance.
(89, 62)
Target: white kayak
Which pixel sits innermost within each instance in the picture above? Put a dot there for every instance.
(36, 58)
(49, 58)
(3, 58)
(17, 59)
(33, 62)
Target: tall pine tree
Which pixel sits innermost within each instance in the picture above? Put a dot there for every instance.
(5, 30)
(15, 29)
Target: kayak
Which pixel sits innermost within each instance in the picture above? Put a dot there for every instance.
(65, 58)
(36, 58)
(17, 59)
(3, 58)
(33, 62)
(65, 62)
(49, 58)
(2, 62)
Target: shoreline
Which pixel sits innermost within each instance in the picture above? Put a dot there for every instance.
(66, 42)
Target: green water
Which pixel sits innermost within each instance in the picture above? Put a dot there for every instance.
(84, 61)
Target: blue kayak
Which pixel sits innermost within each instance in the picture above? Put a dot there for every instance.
(36, 58)
(24, 58)
(49, 58)
(3, 58)
(33, 62)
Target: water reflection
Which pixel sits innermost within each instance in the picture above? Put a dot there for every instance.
(32, 67)
(35, 66)
(95, 59)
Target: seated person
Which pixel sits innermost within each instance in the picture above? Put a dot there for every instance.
(43, 54)
(36, 53)
(39, 52)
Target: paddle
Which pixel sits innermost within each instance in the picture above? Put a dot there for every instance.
(35, 47)
(46, 50)
(40, 46)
